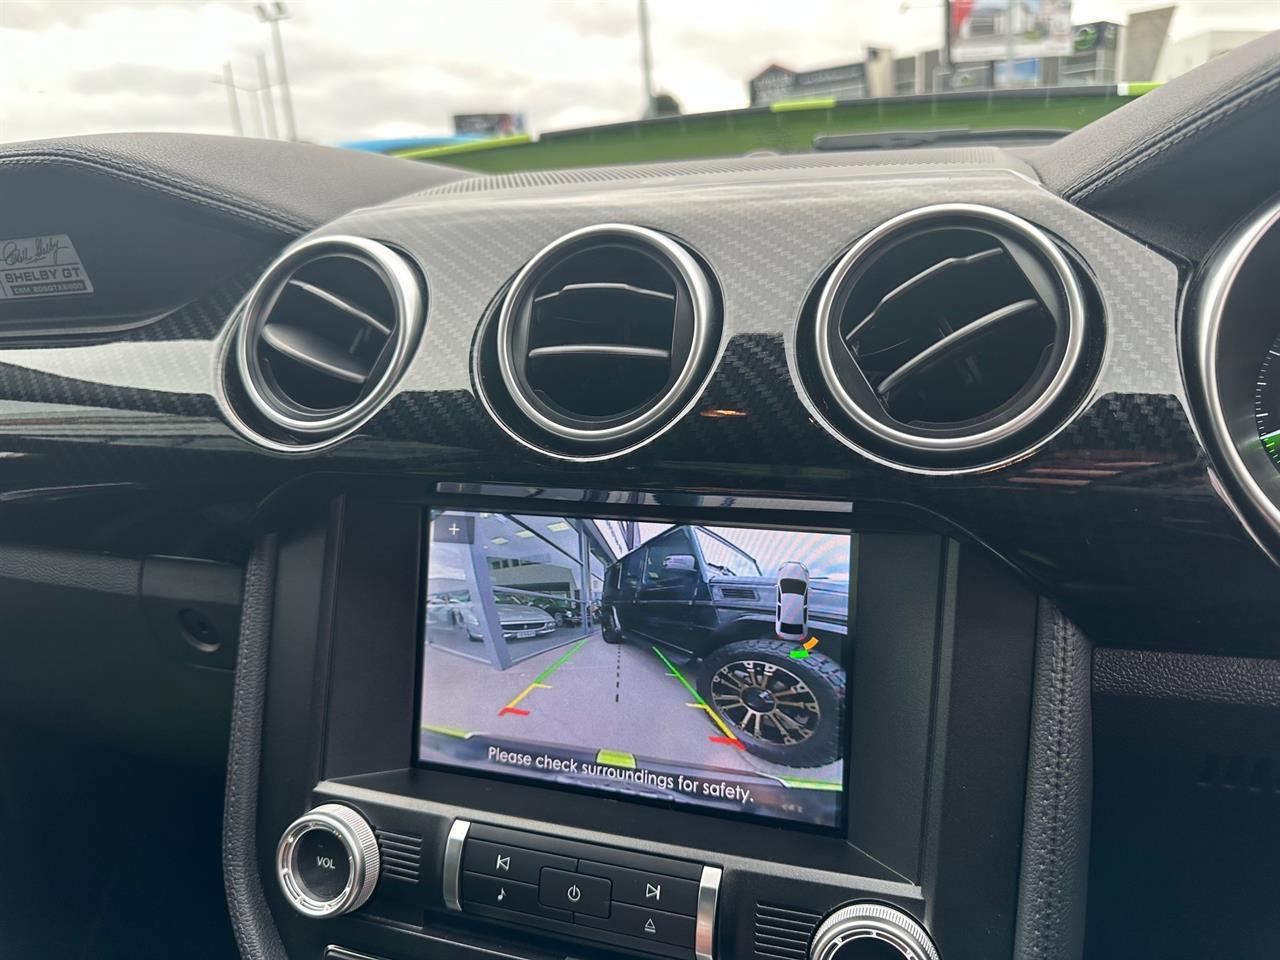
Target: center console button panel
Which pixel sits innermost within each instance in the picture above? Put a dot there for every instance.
(509, 862)
(574, 892)
(482, 891)
(646, 889)
(646, 923)
(650, 904)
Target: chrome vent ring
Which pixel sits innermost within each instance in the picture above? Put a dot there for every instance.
(325, 335)
(600, 341)
(950, 338)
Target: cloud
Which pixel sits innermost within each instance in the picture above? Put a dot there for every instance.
(43, 14)
(359, 70)
(160, 83)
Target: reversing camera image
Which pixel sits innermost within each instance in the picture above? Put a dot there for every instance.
(695, 664)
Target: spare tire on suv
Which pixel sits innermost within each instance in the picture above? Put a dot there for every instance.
(783, 709)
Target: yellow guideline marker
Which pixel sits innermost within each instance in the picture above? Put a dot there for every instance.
(447, 731)
(616, 758)
(729, 737)
(715, 718)
(511, 707)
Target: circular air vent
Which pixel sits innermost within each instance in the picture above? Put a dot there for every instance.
(600, 341)
(1231, 357)
(325, 334)
(949, 338)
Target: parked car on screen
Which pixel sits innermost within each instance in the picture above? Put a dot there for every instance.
(520, 621)
(565, 611)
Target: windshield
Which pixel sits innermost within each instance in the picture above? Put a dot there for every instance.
(511, 85)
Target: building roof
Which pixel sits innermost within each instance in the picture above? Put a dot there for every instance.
(772, 66)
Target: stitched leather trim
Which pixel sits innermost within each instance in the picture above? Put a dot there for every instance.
(250, 917)
(1053, 882)
(226, 204)
(1236, 99)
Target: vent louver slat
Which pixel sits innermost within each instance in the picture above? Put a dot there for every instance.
(600, 339)
(334, 300)
(400, 855)
(943, 348)
(783, 933)
(917, 281)
(323, 338)
(600, 349)
(950, 338)
(315, 351)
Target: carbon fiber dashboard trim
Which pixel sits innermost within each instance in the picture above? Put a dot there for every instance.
(976, 157)
(1105, 517)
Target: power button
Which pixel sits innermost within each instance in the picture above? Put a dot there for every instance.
(573, 891)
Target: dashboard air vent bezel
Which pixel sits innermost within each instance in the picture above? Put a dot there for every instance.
(279, 413)
(528, 411)
(1226, 333)
(858, 412)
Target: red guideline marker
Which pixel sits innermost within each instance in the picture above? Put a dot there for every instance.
(511, 707)
(728, 741)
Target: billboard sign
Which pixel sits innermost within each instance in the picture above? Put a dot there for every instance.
(971, 76)
(1010, 29)
(847, 81)
(488, 124)
(1025, 73)
(1094, 36)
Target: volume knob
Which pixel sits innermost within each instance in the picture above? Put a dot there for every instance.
(863, 931)
(327, 861)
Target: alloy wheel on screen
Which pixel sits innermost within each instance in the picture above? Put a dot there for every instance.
(767, 701)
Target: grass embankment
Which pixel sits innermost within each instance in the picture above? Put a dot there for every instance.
(786, 130)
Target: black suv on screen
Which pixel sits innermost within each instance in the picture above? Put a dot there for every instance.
(720, 619)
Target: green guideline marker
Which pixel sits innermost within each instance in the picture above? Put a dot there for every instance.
(545, 674)
(801, 652)
(616, 758)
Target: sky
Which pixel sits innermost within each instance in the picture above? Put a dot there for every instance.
(395, 68)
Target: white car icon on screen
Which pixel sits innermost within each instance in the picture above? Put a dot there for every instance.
(792, 617)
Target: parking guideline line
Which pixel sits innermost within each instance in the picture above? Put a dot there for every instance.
(447, 731)
(511, 707)
(538, 684)
(799, 783)
(542, 677)
(678, 675)
(700, 704)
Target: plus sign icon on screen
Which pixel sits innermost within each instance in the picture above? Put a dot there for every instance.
(451, 528)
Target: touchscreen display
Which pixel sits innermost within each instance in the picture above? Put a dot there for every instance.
(681, 663)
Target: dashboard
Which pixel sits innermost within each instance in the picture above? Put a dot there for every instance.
(808, 556)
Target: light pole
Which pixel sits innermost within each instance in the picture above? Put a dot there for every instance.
(272, 14)
(265, 114)
(265, 99)
(944, 52)
(646, 59)
(1008, 48)
(228, 80)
